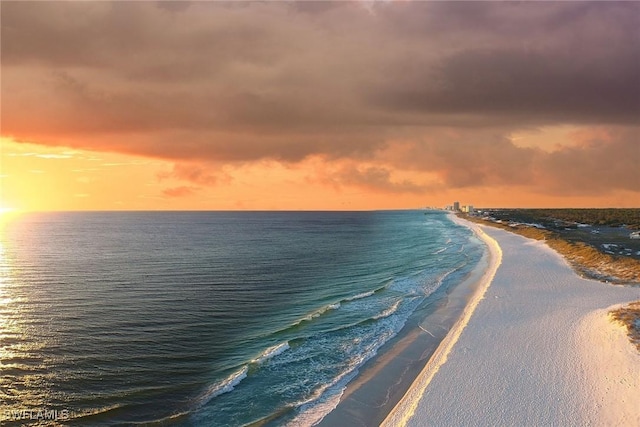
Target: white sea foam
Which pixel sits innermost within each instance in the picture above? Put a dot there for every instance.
(314, 414)
(439, 251)
(431, 287)
(389, 311)
(359, 296)
(318, 392)
(321, 311)
(317, 313)
(406, 408)
(326, 397)
(440, 280)
(224, 386)
(271, 352)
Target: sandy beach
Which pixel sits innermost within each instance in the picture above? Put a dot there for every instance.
(535, 347)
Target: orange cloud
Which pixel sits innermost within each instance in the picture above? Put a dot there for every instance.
(179, 191)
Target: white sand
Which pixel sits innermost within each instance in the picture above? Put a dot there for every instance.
(538, 349)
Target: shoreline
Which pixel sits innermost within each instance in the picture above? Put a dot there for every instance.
(407, 406)
(385, 379)
(532, 350)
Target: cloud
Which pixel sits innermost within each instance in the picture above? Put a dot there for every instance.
(181, 191)
(465, 158)
(198, 174)
(602, 159)
(375, 178)
(531, 86)
(173, 5)
(596, 165)
(205, 83)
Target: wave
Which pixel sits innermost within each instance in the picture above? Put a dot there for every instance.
(224, 386)
(326, 397)
(228, 384)
(95, 412)
(439, 251)
(333, 306)
(319, 312)
(314, 408)
(366, 294)
(271, 352)
(314, 414)
(440, 279)
(168, 420)
(359, 296)
(388, 312)
(309, 317)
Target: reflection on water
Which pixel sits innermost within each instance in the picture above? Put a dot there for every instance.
(24, 375)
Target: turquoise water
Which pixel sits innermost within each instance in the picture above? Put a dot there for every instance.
(209, 318)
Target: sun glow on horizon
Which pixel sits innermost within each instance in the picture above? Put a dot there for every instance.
(7, 214)
(41, 178)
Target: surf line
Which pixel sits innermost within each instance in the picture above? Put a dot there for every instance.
(404, 410)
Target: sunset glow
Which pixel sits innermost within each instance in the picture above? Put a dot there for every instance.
(214, 106)
(293, 213)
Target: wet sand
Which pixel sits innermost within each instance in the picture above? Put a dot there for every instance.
(385, 379)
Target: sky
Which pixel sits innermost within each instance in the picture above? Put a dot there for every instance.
(136, 105)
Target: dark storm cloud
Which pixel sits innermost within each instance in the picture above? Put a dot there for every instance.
(538, 63)
(537, 87)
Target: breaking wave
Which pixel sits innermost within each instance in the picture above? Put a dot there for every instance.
(224, 386)
(271, 352)
(388, 312)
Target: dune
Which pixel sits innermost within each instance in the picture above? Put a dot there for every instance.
(535, 347)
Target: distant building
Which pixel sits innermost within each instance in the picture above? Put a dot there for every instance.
(456, 206)
(467, 208)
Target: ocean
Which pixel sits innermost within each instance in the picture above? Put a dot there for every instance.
(209, 318)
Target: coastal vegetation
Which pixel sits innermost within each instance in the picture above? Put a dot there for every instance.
(586, 259)
(611, 217)
(629, 316)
